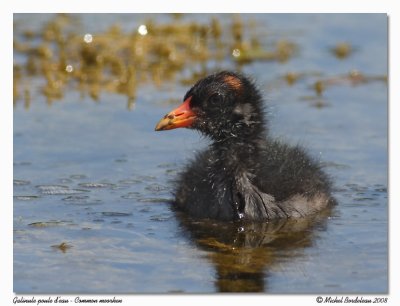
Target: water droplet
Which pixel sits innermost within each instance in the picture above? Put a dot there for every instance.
(69, 68)
(236, 52)
(88, 38)
(142, 30)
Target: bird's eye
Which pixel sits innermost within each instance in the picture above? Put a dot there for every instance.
(215, 99)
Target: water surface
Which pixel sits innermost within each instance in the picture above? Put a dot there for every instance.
(92, 181)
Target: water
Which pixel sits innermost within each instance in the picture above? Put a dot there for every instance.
(92, 181)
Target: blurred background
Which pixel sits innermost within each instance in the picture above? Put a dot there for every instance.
(92, 180)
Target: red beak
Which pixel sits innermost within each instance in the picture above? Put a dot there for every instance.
(182, 116)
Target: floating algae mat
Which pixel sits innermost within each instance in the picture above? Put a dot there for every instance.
(117, 61)
(61, 56)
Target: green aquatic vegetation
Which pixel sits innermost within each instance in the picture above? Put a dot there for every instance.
(353, 77)
(318, 84)
(282, 51)
(342, 50)
(62, 57)
(63, 246)
(291, 77)
(41, 224)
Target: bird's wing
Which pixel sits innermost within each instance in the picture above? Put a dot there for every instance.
(254, 204)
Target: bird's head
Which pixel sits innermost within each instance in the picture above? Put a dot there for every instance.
(221, 106)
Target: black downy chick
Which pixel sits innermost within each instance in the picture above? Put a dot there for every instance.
(244, 174)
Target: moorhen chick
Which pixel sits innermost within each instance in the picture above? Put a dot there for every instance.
(244, 174)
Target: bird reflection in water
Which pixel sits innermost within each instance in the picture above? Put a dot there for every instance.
(243, 253)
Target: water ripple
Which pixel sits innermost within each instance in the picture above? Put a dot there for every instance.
(58, 190)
